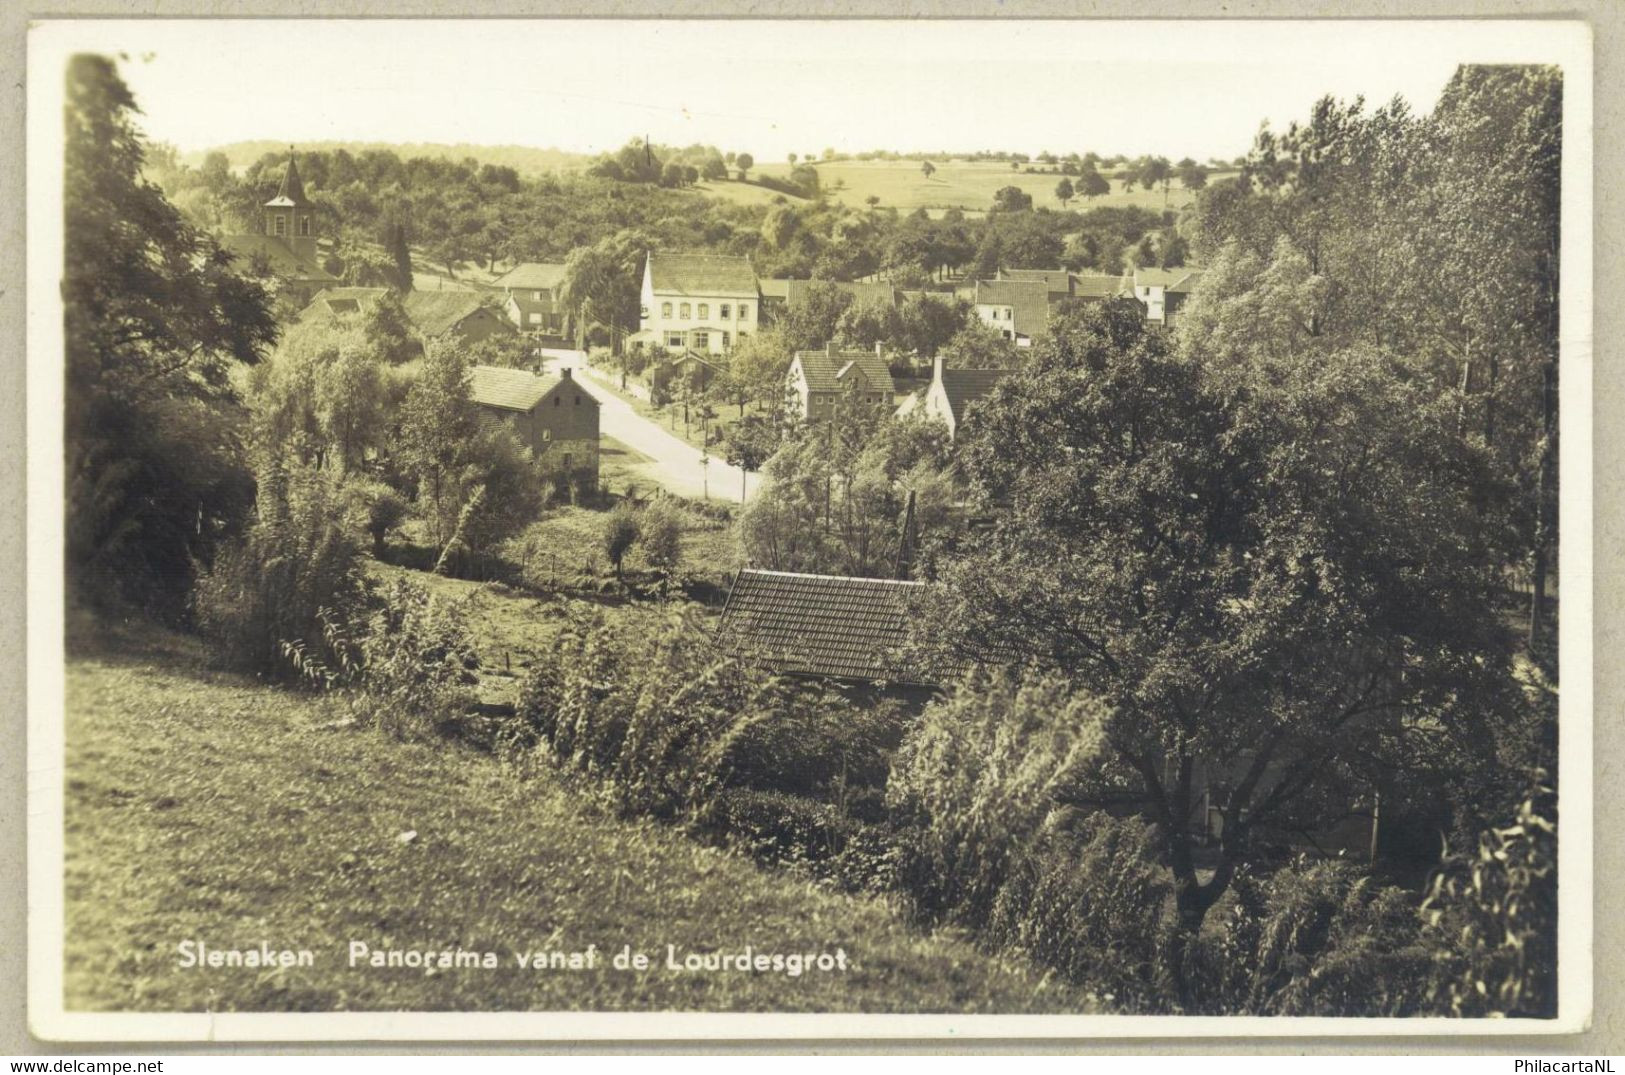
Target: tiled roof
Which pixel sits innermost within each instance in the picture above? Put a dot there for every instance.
(774, 287)
(823, 625)
(277, 253)
(532, 276)
(964, 387)
(876, 294)
(514, 390)
(1174, 280)
(435, 312)
(1059, 281)
(825, 370)
(337, 301)
(1029, 299)
(701, 274)
(1096, 285)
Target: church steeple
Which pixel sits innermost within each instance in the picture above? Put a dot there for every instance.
(290, 216)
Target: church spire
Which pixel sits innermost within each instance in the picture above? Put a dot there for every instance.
(292, 190)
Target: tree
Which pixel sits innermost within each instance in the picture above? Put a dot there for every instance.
(672, 175)
(812, 323)
(1145, 254)
(1011, 200)
(744, 162)
(1092, 184)
(600, 285)
(714, 169)
(1145, 555)
(155, 316)
(620, 533)
(749, 444)
(1064, 192)
(928, 169)
(1153, 172)
(661, 535)
(402, 257)
(1192, 176)
(437, 424)
(758, 364)
(928, 322)
(792, 159)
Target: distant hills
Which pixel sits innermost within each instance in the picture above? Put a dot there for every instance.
(526, 160)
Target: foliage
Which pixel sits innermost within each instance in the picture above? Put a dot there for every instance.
(621, 531)
(321, 396)
(155, 318)
(271, 587)
(1498, 904)
(660, 532)
(1228, 557)
(384, 510)
(1011, 200)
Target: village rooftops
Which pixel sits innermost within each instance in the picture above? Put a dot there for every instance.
(829, 370)
(435, 312)
(863, 295)
(514, 390)
(332, 302)
(1029, 299)
(964, 387)
(702, 274)
(532, 276)
(1096, 285)
(825, 625)
(1059, 281)
(1172, 281)
(278, 255)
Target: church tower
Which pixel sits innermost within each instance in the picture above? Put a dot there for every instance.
(290, 216)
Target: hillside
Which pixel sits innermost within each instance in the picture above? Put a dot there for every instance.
(963, 184)
(527, 160)
(208, 807)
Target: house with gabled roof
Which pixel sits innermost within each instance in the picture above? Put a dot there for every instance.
(828, 626)
(698, 302)
(552, 415)
(951, 394)
(286, 250)
(444, 315)
(1161, 292)
(332, 303)
(1017, 309)
(822, 379)
(1058, 281)
(532, 297)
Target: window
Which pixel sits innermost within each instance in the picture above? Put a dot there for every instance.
(578, 401)
(674, 339)
(705, 310)
(744, 310)
(538, 296)
(279, 225)
(557, 400)
(723, 309)
(304, 225)
(535, 319)
(547, 434)
(665, 309)
(682, 311)
(725, 341)
(702, 341)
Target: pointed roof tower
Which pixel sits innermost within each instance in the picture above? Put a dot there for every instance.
(292, 191)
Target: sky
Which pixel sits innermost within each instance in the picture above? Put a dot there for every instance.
(770, 87)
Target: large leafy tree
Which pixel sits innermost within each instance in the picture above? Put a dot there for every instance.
(155, 319)
(1273, 572)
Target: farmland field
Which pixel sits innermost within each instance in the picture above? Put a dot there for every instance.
(963, 185)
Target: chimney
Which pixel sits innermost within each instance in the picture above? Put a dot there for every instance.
(878, 353)
(936, 370)
(564, 373)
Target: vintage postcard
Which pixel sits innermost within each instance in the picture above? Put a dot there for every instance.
(660, 529)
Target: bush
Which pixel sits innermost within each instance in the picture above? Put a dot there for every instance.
(975, 783)
(1089, 899)
(1315, 937)
(270, 588)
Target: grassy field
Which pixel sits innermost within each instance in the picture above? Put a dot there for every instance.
(961, 184)
(202, 806)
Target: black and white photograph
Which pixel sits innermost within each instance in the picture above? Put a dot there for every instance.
(630, 528)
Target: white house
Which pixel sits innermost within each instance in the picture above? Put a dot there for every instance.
(533, 302)
(1017, 309)
(950, 394)
(698, 302)
(1163, 291)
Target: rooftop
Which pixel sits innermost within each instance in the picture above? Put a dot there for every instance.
(434, 312)
(702, 274)
(826, 370)
(824, 625)
(532, 276)
(514, 390)
(278, 255)
(964, 387)
(1172, 280)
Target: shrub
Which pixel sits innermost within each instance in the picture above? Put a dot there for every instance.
(1315, 937)
(1088, 898)
(621, 532)
(269, 588)
(382, 510)
(661, 531)
(1498, 905)
(975, 783)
